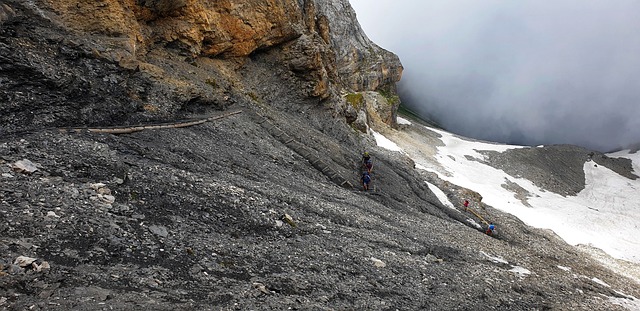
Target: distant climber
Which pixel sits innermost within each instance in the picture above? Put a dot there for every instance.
(466, 204)
(366, 180)
(491, 229)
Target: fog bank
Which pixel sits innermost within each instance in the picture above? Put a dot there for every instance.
(524, 72)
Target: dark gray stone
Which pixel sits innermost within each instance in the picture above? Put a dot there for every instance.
(222, 186)
(160, 231)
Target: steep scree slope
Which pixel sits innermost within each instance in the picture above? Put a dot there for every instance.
(191, 218)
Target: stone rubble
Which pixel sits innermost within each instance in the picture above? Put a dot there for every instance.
(191, 218)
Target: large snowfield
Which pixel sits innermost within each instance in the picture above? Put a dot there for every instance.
(605, 215)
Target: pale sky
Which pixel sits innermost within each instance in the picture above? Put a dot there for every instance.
(524, 72)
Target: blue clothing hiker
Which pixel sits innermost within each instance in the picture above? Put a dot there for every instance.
(491, 229)
(366, 179)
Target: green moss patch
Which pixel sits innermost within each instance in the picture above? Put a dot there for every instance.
(356, 100)
(391, 97)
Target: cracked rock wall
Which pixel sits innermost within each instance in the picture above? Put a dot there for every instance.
(324, 36)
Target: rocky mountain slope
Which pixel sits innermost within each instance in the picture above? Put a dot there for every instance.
(253, 211)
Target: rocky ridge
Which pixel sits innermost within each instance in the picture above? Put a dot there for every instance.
(225, 215)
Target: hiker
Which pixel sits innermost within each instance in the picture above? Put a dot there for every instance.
(366, 179)
(466, 204)
(365, 157)
(366, 162)
(491, 229)
(368, 165)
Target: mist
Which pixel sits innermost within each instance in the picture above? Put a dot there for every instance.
(524, 72)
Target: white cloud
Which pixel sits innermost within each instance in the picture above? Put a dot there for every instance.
(531, 72)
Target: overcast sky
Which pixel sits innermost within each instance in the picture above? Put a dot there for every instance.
(527, 71)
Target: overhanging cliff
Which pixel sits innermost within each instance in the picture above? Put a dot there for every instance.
(122, 61)
(319, 36)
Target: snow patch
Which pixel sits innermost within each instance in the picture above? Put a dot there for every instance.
(440, 195)
(599, 281)
(474, 223)
(385, 142)
(627, 303)
(520, 271)
(603, 215)
(401, 120)
(494, 259)
(564, 268)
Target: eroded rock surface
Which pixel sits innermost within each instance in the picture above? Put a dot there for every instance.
(195, 218)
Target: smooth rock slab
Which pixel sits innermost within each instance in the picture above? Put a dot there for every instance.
(159, 231)
(24, 261)
(378, 263)
(24, 166)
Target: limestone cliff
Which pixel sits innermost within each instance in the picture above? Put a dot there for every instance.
(183, 54)
(319, 38)
(362, 65)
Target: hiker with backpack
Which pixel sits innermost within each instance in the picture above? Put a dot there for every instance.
(366, 180)
(366, 162)
(365, 157)
(368, 166)
(490, 229)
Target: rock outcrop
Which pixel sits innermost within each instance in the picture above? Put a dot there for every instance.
(180, 55)
(362, 65)
(320, 38)
(364, 110)
(198, 27)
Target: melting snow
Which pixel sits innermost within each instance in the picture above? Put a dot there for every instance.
(601, 282)
(385, 142)
(441, 195)
(520, 270)
(495, 259)
(628, 303)
(474, 223)
(604, 215)
(403, 121)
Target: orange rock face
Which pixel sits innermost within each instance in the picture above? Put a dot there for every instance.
(319, 40)
(234, 28)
